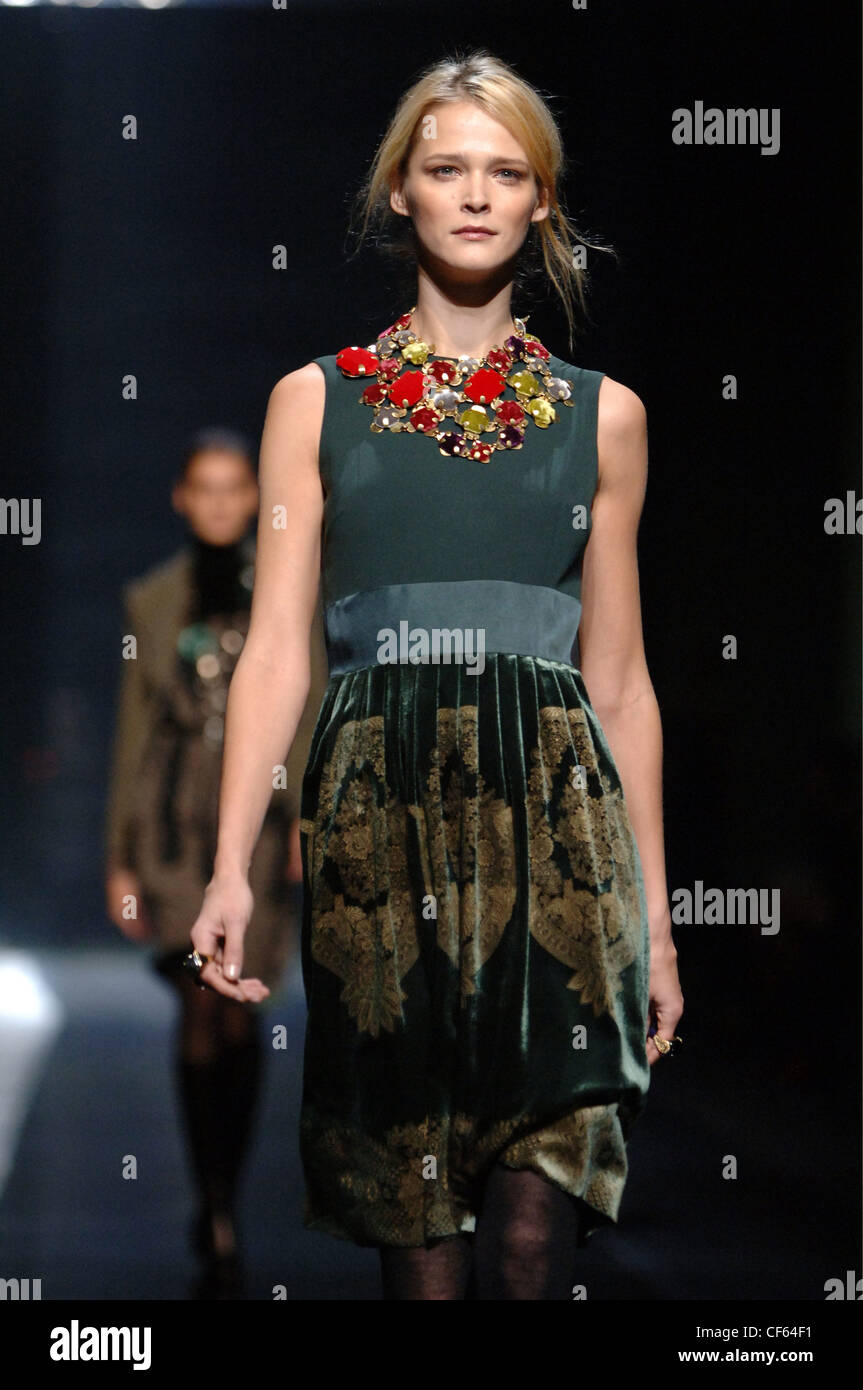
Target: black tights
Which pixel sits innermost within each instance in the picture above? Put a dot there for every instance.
(527, 1235)
(218, 1070)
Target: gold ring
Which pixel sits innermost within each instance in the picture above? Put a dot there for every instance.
(194, 962)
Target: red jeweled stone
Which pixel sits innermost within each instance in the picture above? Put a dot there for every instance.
(499, 359)
(441, 372)
(510, 412)
(424, 419)
(374, 393)
(481, 452)
(407, 389)
(394, 327)
(389, 368)
(537, 349)
(484, 385)
(356, 361)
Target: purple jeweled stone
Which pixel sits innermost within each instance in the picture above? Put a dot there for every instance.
(450, 442)
(510, 437)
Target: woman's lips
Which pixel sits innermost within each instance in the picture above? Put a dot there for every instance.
(474, 236)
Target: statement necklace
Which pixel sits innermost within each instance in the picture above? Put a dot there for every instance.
(471, 391)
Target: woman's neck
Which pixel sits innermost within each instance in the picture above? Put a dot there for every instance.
(459, 328)
(216, 577)
(215, 548)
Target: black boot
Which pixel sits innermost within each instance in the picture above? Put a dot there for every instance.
(218, 1099)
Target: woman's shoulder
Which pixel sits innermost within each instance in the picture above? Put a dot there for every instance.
(618, 402)
(302, 381)
(298, 399)
(161, 577)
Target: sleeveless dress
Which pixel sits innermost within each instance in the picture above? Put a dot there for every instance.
(475, 946)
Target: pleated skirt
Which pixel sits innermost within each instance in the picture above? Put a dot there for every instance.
(475, 948)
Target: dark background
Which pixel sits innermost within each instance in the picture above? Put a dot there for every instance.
(154, 257)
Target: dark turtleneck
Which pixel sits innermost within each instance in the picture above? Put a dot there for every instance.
(216, 578)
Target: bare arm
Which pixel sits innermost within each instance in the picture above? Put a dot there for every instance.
(271, 681)
(614, 666)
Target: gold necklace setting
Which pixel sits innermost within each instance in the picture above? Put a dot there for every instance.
(495, 394)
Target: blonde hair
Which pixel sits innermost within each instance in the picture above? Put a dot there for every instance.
(481, 77)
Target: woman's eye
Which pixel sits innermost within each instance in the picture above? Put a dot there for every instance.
(448, 168)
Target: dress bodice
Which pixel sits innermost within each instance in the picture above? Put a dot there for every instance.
(397, 511)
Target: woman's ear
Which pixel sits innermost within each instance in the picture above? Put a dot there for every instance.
(543, 207)
(398, 203)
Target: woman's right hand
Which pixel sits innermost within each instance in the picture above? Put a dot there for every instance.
(218, 933)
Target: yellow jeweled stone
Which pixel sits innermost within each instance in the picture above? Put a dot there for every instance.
(542, 411)
(475, 419)
(416, 352)
(525, 383)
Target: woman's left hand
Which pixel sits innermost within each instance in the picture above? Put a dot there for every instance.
(666, 998)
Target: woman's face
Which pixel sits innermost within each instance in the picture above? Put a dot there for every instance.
(218, 496)
(467, 170)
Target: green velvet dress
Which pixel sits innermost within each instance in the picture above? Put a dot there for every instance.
(475, 944)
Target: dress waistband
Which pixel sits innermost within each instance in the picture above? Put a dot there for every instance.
(449, 622)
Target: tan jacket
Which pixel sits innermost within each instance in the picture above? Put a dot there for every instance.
(155, 608)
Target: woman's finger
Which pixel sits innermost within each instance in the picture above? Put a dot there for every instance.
(664, 1022)
(231, 958)
(206, 937)
(212, 976)
(249, 991)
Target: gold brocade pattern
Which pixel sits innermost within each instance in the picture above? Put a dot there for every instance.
(476, 953)
(594, 931)
(371, 942)
(397, 1190)
(466, 846)
(366, 932)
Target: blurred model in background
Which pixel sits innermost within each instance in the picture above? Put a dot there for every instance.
(189, 617)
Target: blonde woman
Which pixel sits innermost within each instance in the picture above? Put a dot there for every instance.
(487, 953)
